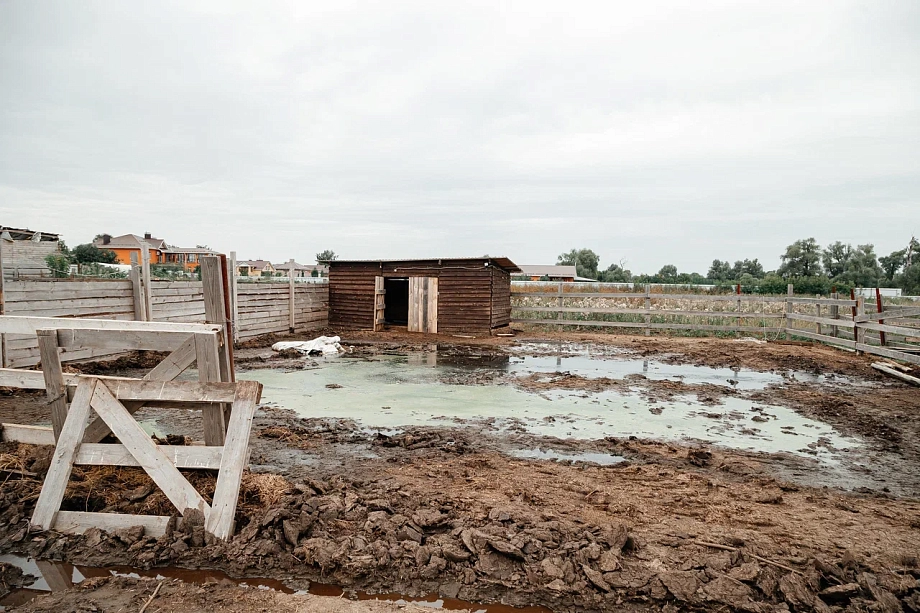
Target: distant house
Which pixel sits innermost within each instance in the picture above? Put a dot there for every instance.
(303, 270)
(254, 268)
(23, 252)
(127, 245)
(553, 273)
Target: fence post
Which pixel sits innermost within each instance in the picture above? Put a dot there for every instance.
(140, 311)
(738, 293)
(54, 378)
(291, 292)
(648, 309)
(145, 273)
(559, 303)
(788, 310)
(835, 313)
(215, 310)
(234, 306)
(881, 308)
(859, 331)
(818, 311)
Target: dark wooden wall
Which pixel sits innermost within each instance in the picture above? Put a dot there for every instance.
(472, 297)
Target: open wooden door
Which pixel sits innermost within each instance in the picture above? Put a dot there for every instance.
(423, 304)
(379, 303)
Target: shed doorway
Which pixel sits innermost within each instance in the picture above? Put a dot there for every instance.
(396, 301)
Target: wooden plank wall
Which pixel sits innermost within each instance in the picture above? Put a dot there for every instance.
(63, 298)
(181, 301)
(465, 298)
(352, 294)
(26, 259)
(263, 308)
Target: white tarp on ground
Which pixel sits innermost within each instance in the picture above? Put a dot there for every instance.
(322, 344)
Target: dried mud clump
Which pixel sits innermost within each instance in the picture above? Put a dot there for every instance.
(379, 537)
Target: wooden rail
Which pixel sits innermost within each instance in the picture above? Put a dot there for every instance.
(125, 305)
(891, 333)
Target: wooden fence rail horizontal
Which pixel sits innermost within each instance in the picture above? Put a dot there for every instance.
(841, 322)
(259, 308)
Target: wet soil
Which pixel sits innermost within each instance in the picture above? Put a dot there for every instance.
(102, 594)
(447, 510)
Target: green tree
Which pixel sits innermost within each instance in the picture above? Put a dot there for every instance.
(585, 262)
(89, 253)
(58, 264)
(615, 273)
(802, 259)
(720, 271)
(862, 268)
(909, 280)
(667, 274)
(892, 263)
(326, 256)
(748, 267)
(835, 258)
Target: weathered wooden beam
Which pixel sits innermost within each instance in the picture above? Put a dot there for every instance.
(182, 456)
(145, 275)
(135, 340)
(137, 292)
(17, 324)
(840, 323)
(178, 392)
(30, 435)
(896, 374)
(77, 522)
(53, 376)
(227, 490)
(215, 308)
(52, 492)
(208, 356)
(892, 314)
(291, 319)
(892, 353)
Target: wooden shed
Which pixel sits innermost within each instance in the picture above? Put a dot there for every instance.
(446, 295)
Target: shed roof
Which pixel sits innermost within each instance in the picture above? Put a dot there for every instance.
(502, 262)
(549, 271)
(24, 234)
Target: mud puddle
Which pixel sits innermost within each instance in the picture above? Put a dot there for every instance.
(52, 576)
(391, 391)
(601, 459)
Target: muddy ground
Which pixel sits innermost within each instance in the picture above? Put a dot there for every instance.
(446, 511)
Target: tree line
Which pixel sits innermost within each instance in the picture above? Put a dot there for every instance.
(810, 267)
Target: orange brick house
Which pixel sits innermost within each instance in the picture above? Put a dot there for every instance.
(160, 253)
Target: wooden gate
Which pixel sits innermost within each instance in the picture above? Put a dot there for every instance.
(423, 304)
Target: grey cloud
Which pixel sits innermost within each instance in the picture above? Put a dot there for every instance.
(659, 133)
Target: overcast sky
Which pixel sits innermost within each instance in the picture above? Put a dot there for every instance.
(651, 132)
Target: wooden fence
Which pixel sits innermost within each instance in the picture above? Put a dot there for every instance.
(891, 331)
(263, 308)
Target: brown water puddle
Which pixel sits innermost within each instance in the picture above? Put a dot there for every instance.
(57, 576)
